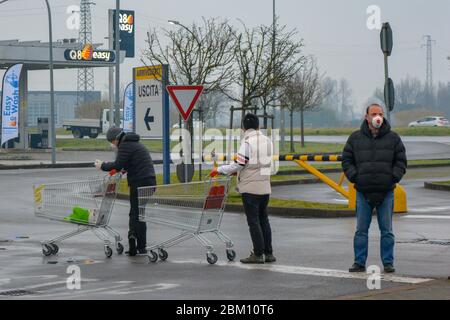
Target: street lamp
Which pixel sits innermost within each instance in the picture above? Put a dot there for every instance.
(190, 124)
(52, 89)
(52, 98)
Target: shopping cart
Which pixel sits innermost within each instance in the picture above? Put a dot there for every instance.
(192, 208)
(87, 203)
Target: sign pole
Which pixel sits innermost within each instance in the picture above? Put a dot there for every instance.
(166, 125)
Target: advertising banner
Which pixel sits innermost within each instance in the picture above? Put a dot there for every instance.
(10, 103)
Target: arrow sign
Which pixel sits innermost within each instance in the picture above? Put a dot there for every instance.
(185, 98)
(148, 118)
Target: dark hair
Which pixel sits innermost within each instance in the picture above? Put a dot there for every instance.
(373, 104)
(250, 121)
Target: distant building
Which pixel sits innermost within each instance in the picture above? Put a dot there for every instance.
(65, 104)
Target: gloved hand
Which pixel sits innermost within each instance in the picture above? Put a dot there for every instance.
(98, 164)
(214, 172)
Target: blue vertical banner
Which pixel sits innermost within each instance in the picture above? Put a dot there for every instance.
(10, 103)
(128, 108)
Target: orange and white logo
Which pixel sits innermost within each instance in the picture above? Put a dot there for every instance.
(86, 52)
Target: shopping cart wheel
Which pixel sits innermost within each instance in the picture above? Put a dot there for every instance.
(119, 248)
(152, 256)
(47, 250)
(54, 247)
(211, 257)
(163, 254)
(108, 251)
(231, 254)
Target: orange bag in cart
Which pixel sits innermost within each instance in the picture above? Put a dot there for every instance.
(215, 198)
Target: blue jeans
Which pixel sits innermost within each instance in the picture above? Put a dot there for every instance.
(364, 217)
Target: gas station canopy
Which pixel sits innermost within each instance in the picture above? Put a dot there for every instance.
(35, 55)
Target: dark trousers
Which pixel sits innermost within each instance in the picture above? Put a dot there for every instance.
(138, 229)
(255, 207)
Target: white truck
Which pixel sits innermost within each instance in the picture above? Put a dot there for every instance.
(90, 127)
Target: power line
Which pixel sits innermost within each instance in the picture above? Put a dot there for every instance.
(85, 81)
(429, 62)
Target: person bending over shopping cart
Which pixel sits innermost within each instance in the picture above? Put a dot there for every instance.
(253, 168)
(133, 157)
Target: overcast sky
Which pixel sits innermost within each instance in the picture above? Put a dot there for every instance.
(334, 31)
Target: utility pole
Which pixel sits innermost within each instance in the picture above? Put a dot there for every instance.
(85, 83)
(429, 66)
(117, 93)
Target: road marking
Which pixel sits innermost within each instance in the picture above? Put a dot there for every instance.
(147, 288)
(429, 209)
(312, 271)
(8, 280)
(426, 217)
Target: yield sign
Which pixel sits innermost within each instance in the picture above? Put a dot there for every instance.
(185, 98)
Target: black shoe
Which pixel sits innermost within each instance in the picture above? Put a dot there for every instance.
(389, 268)
(131, 253)
(141, 251)
(132, 247)
(357, 268)
(270, 258)
(253, 258)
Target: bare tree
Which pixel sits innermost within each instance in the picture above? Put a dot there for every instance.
(408, 90)
(303, 93)
(262, 67)
(201, 54)
(345, 93)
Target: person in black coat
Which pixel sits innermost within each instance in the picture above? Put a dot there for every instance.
(374, 159)
(134, 158)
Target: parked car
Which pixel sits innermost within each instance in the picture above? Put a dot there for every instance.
(433, 121)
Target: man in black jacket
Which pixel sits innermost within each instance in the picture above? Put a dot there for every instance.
(374, 159)
(134, 158)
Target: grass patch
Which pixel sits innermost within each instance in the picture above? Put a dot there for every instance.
(101, 144)
(442, 183)
(404, 131)
(235, 198)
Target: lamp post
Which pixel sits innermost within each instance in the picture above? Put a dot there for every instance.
(117, 96)
(190, 122)
(52, 98)
(52, 91)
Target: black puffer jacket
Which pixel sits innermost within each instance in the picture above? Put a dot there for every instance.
(374, 165)
(133, 157)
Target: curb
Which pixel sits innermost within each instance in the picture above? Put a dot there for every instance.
(339, 170)
(296, 212)
(435, 186)
(55, 166)
(284, 212)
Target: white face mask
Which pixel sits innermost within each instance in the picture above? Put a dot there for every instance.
(377, 122)
(113, 146)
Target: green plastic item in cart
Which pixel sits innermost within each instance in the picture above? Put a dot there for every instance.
(79, 215)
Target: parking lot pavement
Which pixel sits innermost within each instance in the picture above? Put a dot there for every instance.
(313, 256)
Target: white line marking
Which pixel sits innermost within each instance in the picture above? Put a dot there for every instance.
(314, 271)
(429, 209)
(418, 216)
(148, 288)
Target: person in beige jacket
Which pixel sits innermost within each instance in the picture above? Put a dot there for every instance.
(253, 168)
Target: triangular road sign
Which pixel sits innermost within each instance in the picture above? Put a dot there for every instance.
(185, 98)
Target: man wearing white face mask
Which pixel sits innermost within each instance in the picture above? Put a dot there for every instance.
(374, 159)
(133, 157)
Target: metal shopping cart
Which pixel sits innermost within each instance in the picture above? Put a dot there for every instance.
(192, 208)
(87, 203)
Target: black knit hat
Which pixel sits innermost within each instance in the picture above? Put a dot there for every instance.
(113, 133)
(250, 121)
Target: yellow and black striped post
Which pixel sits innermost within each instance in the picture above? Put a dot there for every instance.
(400, 204)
